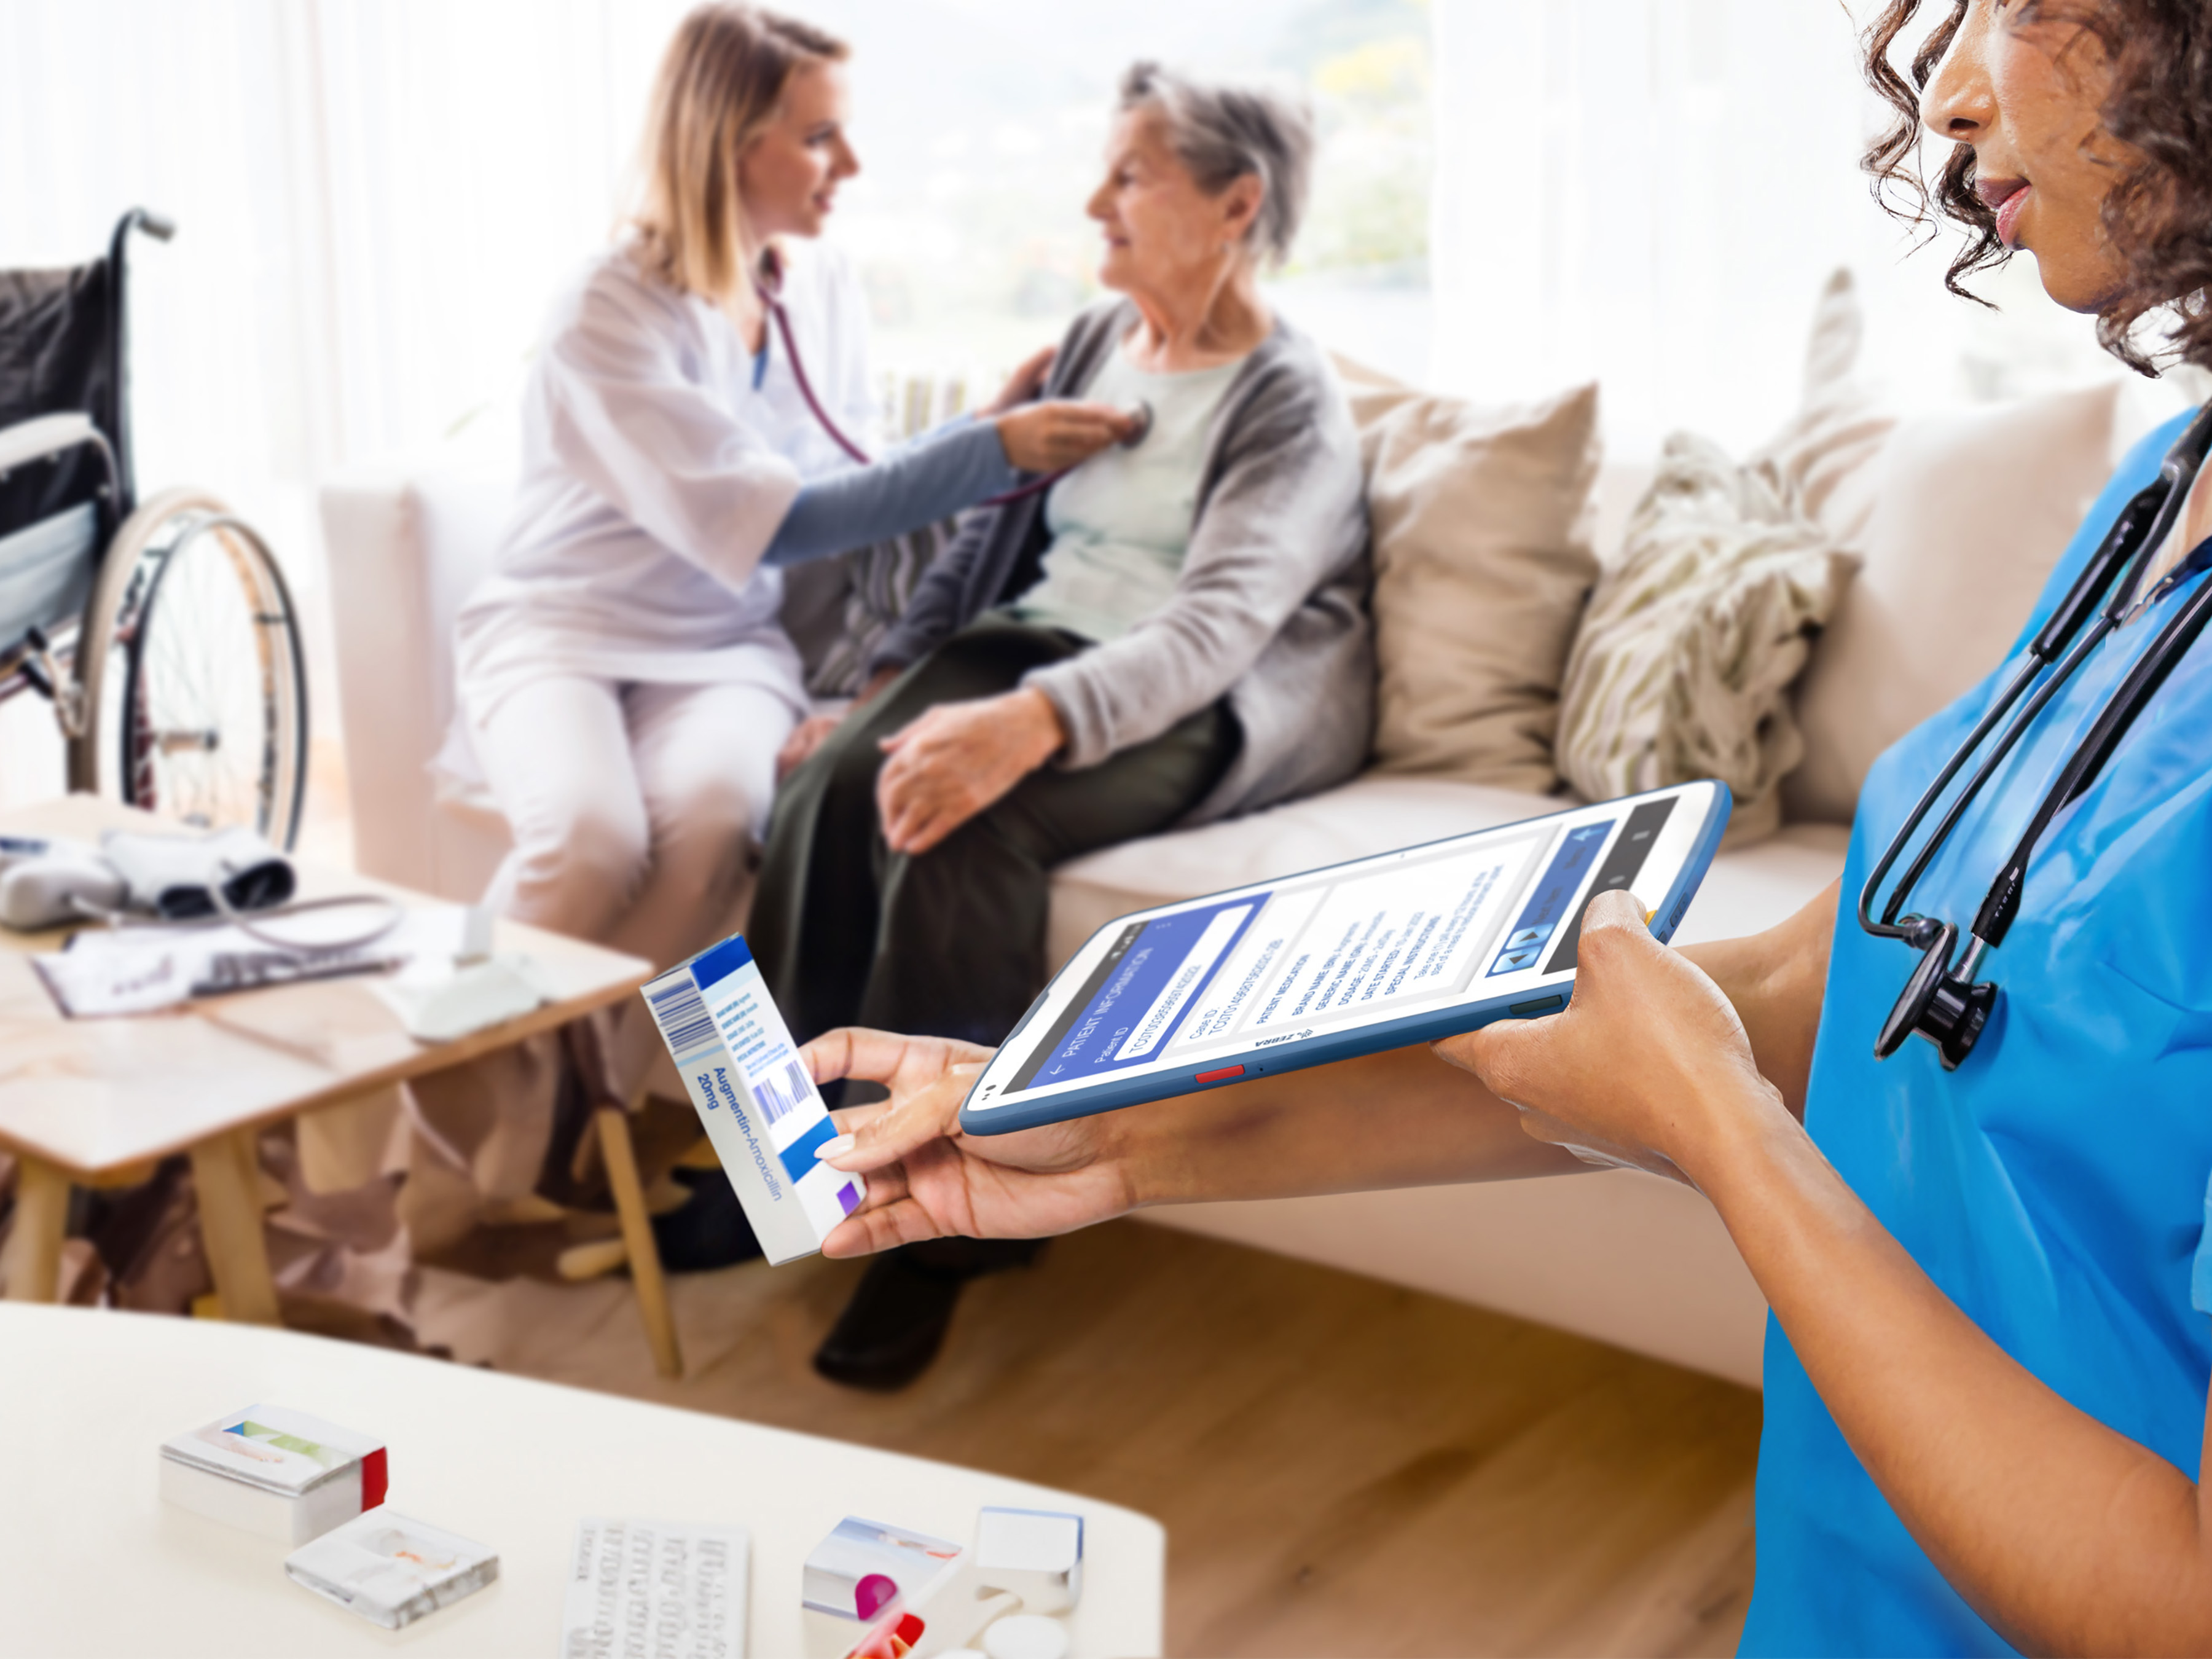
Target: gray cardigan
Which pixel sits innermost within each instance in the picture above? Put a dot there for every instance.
(1270, 610)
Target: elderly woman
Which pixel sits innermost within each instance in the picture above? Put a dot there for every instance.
(1175, 632)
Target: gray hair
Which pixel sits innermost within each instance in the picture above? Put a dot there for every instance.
(1221, 133)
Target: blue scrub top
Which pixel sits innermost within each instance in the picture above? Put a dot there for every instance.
(2054, 1186)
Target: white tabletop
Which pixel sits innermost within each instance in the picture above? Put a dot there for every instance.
(93, 1562)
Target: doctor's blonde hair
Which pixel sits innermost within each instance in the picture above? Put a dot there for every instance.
(721, 82)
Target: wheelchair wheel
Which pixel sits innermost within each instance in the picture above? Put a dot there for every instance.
(194, 680)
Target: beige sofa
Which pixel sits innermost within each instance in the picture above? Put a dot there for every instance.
(1969, 511)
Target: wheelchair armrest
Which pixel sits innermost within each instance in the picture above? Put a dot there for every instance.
(48, 434)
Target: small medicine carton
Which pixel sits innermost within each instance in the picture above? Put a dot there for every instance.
(761, 1110)
(867, 1580)
(390, 1569)
(278, 1472)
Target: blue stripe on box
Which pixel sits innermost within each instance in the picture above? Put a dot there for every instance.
(711, 966)
(798, 1157)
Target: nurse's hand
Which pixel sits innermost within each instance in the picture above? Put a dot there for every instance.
(1026, 382)
(1650, 1064)
(959, 759)
(1051, 437)
(809, 735)
(926, 1180)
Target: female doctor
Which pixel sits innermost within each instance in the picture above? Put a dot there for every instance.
(623, 678)
(1986, 1254)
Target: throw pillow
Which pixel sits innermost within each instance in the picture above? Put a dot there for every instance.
(1683, 666)
(1482, 559)
(1822, 461)
(1972, 510)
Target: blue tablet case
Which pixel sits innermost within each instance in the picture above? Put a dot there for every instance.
(1543, 925)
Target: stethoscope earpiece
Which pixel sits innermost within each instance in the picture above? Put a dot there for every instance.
(1945, 1007)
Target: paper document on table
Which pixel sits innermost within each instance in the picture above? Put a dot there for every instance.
(136, 970)
(659, 1589)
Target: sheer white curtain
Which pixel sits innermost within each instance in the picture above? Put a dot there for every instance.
(1650, 193)
(373, 200)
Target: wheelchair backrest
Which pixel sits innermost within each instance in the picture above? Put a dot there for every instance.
(60, 350)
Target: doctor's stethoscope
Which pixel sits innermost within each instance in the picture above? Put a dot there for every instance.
(1943, 1001)
(767, 284)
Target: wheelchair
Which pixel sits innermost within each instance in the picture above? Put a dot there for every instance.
(161, 631)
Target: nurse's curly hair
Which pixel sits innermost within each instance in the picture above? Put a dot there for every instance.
(2159, 214)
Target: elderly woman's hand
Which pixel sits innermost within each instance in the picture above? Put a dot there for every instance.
(959, 759)
(1649, 1065)
(926, 1180)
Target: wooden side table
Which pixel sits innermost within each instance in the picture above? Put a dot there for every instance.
(96, 1102)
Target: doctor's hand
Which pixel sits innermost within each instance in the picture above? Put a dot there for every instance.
(928, 1180)
(1648, 1064)
(959, 759)
(1053, 436)
(1025, 383)
(809, 735)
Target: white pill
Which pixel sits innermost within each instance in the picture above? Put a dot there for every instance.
(1026, 1636)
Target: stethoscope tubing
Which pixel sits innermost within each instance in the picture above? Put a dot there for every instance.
(2113, 722)
(782, 321)
(2006, 743)
(2126, 552)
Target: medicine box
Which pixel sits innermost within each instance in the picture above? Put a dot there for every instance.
(392, 1569)
(1035, 1553)
(865, 1572)
(761, 1110)
(278, 1472)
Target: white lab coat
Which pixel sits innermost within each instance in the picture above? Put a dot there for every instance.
(654, 475)
(623, 681)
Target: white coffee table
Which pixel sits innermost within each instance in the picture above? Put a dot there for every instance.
(93, 1563)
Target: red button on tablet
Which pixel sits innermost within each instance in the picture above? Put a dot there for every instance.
(1216, 1076)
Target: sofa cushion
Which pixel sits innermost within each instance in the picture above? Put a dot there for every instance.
(1972, 510)
(1683, 664)
(1747, 890)
(1822, 461)
(1482, 559)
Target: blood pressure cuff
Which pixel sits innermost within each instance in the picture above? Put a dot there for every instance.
(179, 877)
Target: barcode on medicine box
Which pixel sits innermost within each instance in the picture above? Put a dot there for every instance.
(681, 1013)
(775, 1100)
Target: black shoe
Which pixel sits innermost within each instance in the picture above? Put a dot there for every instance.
(709, 1231)
(896, 1322)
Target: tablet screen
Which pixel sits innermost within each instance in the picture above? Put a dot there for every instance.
(1462, 921)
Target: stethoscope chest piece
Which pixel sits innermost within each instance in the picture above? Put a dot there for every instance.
(1947, 1008)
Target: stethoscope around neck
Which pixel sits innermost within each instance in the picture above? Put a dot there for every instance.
(1943, 1001)
(767, 284)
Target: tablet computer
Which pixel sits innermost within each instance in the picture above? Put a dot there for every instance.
(1378, 953)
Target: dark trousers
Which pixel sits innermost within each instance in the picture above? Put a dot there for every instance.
(950, 942)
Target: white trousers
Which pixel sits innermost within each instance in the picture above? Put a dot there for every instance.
(635, 810)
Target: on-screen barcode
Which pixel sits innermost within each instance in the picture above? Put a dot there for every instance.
(681, 1013)
(775, 1097)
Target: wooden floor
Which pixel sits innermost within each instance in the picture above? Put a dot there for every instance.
(1342, 1466)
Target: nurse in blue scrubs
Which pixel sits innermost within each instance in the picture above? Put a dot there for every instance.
(1988, 1368)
